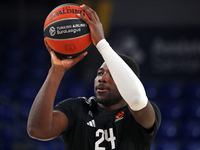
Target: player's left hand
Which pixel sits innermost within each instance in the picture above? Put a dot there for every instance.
(64, 64)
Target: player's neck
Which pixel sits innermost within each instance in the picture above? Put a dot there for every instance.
(118, 105)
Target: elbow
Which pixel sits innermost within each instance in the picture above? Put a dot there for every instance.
(32, 132)
(138, 102)
(36, 134)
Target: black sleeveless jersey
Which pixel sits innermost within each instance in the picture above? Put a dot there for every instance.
(94, 128)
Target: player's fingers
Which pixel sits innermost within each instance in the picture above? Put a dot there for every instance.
(90, 12)
(51, 52)
(53, 55)
(84, 18)
(47, 46)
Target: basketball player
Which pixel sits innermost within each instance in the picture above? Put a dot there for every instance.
(119, 117)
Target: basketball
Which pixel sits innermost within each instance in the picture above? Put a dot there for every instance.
(66, 34)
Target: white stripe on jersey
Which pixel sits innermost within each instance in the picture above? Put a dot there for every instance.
(91, 123)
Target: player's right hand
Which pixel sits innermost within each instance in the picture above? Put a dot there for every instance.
(64, 64)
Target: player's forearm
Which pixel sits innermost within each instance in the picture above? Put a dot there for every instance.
(41, 113)
(128, 84)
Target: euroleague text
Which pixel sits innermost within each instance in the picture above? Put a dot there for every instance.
(66, 10)
(70, 28)
(68, 31)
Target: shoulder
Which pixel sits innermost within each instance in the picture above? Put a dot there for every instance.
(73, 107)
(73, 102)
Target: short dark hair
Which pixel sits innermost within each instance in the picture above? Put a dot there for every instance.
(131, 63)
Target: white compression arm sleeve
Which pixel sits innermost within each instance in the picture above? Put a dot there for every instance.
(128, 84)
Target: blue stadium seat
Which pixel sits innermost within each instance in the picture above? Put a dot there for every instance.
(77, 90)
(190, 145)
(48, 145)
(168, 130)
(192, 90)
(14, 55)
(169, 145)
(27, 92)
(11, 72)
(7, 134)
(192, 109)
(170, 90)
(7, 112)
(190, 129)
(10, 114)
(171, 110)
(38, 56)
(37, 73)
(6, 91)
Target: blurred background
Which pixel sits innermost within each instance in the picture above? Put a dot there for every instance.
(162, 36)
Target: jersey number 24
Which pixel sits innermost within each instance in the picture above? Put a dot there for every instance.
(103, 134)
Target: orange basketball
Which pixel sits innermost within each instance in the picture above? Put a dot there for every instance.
(65, 33)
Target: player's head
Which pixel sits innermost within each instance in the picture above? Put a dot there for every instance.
(131, 63)
(105, 89)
